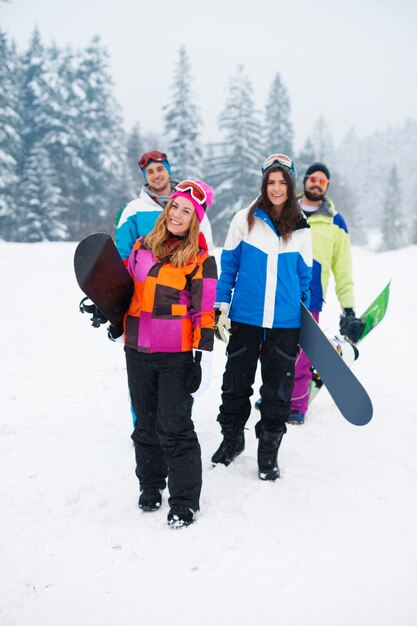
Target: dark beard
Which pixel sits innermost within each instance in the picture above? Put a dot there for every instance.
(313, 197)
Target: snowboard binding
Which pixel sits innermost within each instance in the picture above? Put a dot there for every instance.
(97, 316)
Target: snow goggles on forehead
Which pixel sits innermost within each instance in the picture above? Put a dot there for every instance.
(154, 155)
(322, 180)
(279, 159)
(195, 190)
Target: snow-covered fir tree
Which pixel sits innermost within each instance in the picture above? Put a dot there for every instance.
(33, 96)
(234, 168)
(278, 130)
(393, 226)
(46, 134)
(183, 123)
(369, 159)
(322, 141)
(135, 148)
(41, 98)
(10, 135)
(304, 159)
(347, 185)
(65, 110)
(98, 175)
(62, 144)
(414, 233)
(43, 207)
(342, 193)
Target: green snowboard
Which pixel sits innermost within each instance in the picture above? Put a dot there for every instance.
(373, 315)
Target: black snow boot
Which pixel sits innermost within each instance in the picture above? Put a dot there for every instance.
(180, 517)
(268, 447)
(150, 499)
(232, 445)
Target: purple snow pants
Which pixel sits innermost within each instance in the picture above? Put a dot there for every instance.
(302, 378)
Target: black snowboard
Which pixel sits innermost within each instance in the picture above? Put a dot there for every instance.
(345, 389)
(103, 277)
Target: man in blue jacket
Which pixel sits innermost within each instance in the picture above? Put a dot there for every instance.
(138, 217)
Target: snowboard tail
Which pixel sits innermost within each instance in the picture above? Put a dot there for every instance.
(349, 354)
(373, 315)
(345, 389)
(103, 277)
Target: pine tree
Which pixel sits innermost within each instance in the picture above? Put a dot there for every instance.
(304, 159)
(235, 167)
(345, 200)
(62, 139)
(10, 133)
(41, 201)
(59, 107)
(97, 175)
(278, 128)
(322, 142)
(414, 231)
(182, 123)
(413, 237)
(134, 150)
(45, 136)
(393, 227)
(41, 106)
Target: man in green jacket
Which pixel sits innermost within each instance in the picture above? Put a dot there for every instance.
(331, 253)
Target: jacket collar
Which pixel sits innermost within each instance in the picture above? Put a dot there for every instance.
(263, 215)
(326, 208)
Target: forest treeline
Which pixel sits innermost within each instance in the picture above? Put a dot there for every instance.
(67, 162)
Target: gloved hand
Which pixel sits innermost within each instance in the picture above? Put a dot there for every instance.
(351, 326)
(115, 334)
(221, 321)
(206, 361)
(194, 377)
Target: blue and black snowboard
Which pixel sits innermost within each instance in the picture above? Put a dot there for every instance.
(347, 392)
(373, 315)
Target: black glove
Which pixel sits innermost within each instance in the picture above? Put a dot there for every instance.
(351, 326)
(114, 333)
(194, 377)
(97, 316)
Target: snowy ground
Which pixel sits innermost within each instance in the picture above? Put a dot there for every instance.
(332, 543)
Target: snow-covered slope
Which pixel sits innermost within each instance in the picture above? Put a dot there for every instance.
(332, 543)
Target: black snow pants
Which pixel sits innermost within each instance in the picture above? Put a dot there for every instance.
(276, 349)
(166, 444)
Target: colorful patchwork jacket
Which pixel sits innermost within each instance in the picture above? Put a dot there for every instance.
(331, 252)
(266, 276)
(172, 307)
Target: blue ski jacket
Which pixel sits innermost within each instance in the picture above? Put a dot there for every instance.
(263, 277)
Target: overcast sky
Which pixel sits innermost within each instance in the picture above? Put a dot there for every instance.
(355, 62)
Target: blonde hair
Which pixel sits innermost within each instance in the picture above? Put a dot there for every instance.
(157, 240)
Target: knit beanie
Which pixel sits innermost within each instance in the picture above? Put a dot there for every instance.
(317, 167)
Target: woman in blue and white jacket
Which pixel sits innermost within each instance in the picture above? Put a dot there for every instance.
(266, 268)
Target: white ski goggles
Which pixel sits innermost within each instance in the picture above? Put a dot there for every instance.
(279, 159)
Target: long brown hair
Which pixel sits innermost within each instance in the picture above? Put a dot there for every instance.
(290, 214)
(158, 238)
